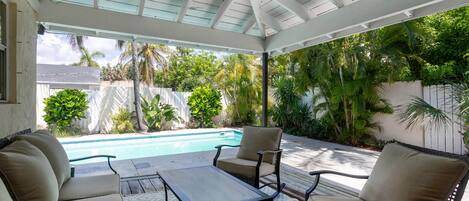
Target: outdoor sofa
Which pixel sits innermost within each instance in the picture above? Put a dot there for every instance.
(258, 156)
(34, 166)
(408, 173)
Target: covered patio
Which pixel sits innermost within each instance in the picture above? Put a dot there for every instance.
(258, 27)
(265, 28)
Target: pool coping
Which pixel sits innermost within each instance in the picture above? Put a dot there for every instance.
(134, 136)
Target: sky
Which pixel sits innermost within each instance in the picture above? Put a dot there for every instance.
(55, 49)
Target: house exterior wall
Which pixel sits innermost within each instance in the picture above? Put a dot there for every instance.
(21, 114)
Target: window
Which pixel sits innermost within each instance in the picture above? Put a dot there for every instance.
(3, 52)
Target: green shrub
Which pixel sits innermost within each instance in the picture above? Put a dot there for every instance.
(122, 121)
(439, 74)
(291, 114)
(64, 107)
(156, 113)
(205, 103)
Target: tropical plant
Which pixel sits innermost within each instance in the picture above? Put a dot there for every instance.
(87, 58)
(347, 74)
(64, 107)
(122, 121)
(290, 113)
(239, 81)
(205, 103)
(148, 57)
(421, 113)
(157, 114)
(188, 69)
(115, 73)
(76, 41)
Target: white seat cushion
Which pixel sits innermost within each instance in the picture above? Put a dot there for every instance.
(87, 187)
(246, 168)
(53, 150)
(26, 170)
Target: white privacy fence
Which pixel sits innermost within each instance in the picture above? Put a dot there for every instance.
(106, 101)
(446, 137)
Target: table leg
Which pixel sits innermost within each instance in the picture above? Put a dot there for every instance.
(165, 191)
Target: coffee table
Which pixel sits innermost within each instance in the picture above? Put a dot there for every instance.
(208, 183)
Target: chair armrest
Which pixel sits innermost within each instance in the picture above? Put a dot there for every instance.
(96, 156)
(219, 152)
(318, 176)
(338, 173)
(263, 152)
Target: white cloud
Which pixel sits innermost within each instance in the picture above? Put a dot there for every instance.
(55, 49)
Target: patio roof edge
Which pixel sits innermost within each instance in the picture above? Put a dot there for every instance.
(101, 21)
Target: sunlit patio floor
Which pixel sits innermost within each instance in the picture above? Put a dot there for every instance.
(300, 156)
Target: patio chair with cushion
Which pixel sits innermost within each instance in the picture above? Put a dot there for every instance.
(35, 166)
(408, 173)
(258, 156)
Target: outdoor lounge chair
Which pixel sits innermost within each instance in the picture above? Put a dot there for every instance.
(34, 166)
(258, 156)
(408, 173)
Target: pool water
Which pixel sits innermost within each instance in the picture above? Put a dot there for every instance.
(147, 146)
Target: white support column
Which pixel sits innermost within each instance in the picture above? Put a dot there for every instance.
(296, 8)
(221, 11)
(183, 11)
(95, 4)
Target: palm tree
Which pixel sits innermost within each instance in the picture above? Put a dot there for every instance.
(88, 59)
(239, 81)
(76, 41)
(143, 59)
(148, 58)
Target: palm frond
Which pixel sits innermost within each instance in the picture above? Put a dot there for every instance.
(419, 112)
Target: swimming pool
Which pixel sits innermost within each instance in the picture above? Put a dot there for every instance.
(149, 145)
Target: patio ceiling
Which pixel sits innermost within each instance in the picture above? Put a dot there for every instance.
(243, 26)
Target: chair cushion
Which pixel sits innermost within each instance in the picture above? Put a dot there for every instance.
(404, 174)
(53, 150)
(4, 194)
(28, 172)
(113, 197)
(257, 139)
(330, 198)
(87, 187)
(245, 168)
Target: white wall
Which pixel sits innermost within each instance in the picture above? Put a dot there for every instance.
(22, 114)
(106, 101)
(399, 94)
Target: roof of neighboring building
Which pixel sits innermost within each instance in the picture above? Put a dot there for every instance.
(62, 74)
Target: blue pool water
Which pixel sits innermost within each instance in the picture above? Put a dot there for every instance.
(147, 146)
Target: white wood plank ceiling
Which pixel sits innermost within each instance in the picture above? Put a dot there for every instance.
(246, 26)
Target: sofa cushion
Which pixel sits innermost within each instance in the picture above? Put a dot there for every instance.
(257, 139)
(113, 197)
(28, 172)
(330, 198)
(92, 186)
(4, 194)
(53, 150)
(246, 168)
(404, 174)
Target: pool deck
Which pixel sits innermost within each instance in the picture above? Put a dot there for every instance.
(300, 156)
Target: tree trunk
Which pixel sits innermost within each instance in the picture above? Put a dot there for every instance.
(136, 81)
